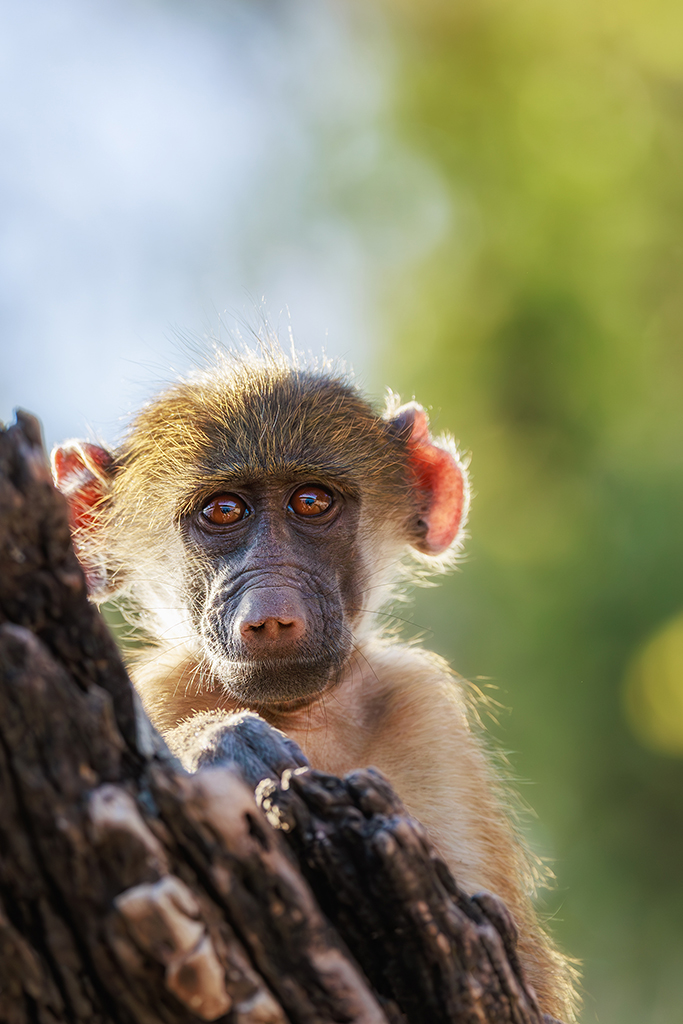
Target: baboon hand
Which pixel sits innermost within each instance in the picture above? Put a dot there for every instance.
(242, 740)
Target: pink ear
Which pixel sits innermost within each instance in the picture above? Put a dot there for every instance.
(83, 473)
(440, 482)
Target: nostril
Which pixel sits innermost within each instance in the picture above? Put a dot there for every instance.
(261, 625)
(272, 628)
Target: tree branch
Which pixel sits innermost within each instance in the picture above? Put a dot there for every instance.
(134, 893)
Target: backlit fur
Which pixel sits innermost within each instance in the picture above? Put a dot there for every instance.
(394, 706)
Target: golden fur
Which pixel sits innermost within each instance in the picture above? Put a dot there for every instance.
(396, 707)
(400, 709)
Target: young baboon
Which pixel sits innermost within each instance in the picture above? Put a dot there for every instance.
(261, 515)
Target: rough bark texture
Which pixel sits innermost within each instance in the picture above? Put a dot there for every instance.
(133, 893)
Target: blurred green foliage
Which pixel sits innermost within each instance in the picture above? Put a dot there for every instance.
(545, 330)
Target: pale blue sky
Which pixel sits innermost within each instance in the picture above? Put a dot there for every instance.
(165, 165)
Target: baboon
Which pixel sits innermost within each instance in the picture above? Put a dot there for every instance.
(261, 515)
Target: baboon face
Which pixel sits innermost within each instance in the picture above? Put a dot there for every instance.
(272, 575)
(266, 508)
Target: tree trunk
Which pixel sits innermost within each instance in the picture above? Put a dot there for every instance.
(134, 893)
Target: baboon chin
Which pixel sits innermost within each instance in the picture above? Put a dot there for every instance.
(275, 681)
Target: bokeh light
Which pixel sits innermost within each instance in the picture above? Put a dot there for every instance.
(653, 691)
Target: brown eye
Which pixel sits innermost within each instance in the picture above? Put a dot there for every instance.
(225, 510)
(310, 500)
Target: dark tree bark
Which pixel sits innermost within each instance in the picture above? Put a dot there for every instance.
(134, 893)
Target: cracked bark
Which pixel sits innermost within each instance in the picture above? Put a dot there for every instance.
(133, 893)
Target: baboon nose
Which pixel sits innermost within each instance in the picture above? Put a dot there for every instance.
(270, 620)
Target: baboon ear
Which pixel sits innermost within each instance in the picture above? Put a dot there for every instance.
(84, 473)
(441, 487)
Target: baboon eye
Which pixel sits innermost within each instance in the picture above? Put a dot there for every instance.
(310, 500)
(225, 510)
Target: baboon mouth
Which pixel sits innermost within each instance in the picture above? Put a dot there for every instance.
(271, 681)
